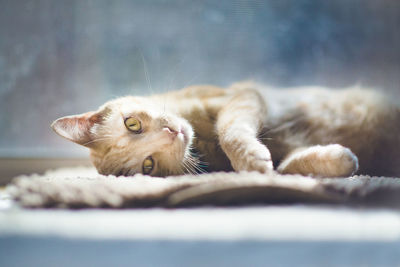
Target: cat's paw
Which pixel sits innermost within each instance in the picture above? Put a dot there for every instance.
(347, 163)
(255, 157)
(324, 161)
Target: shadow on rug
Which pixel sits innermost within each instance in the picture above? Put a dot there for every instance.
(84, 188)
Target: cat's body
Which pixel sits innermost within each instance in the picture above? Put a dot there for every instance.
(245, 127)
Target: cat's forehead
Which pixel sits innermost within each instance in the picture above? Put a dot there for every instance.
(129, 105)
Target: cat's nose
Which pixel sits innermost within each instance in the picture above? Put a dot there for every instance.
(170, 131)
(173, 133)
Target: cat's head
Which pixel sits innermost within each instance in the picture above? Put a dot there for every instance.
(131, 135)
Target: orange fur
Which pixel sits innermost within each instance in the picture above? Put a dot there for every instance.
(245, 127)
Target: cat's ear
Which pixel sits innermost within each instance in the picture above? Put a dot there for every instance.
(77, 128)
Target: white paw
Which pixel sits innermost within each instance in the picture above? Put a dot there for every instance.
(255, 157)
(324, 161)
(341, 159)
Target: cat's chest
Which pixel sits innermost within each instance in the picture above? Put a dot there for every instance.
(211, 154)
(207, 145)
(202, 116)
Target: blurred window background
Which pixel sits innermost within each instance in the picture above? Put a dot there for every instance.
(66, 57)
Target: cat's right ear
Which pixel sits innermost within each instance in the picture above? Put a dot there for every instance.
(77, 128)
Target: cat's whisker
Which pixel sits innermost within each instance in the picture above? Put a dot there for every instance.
(200, 165)
(107, 135)
(186, 170)
(189, 167)
(265, 138)
(188, 160)
(191, 170)
(263, 134)
(196, 161)
(282, 126)
(173, 75)
(194, 164)
(164, 112)
(199, 170)
(146, 74)
(183, 170)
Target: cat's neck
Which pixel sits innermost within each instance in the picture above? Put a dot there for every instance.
(200, 110)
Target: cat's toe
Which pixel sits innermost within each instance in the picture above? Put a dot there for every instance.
(336, 161)
(259, 161)
(348, 163)
(263, 166)
(258, 165)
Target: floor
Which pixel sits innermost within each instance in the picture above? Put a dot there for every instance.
(285, 235)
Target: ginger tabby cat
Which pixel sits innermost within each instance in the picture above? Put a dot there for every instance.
(247, 127)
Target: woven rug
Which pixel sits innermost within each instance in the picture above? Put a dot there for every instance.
(84, 188)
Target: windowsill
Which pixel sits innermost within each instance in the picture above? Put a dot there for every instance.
(11, 167)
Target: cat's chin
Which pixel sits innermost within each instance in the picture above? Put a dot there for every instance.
(184, 141)
(185, 134)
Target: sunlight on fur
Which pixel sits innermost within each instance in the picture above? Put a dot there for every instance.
(247, 127)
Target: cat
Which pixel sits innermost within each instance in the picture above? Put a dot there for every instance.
(247, 127)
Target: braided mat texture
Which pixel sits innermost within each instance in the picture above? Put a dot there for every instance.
(84, 188)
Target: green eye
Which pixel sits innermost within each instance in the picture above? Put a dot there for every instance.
(133, 125)
(148, 165)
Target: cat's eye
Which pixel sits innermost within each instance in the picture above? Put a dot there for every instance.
(133, 125)
(148, 165)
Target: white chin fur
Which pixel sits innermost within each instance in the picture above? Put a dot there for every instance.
(187, 132)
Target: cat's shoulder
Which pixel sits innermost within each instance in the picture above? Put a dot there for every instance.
(212, 91)
(202, 91)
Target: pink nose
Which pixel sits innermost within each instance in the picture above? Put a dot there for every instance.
(170, 131)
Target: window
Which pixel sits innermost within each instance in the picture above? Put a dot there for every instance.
(65, 57)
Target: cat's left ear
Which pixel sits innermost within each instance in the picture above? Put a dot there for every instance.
(77, 128)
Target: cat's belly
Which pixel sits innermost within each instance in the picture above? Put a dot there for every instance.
(359, 120)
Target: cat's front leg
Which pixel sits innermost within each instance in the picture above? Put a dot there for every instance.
(238, 124)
